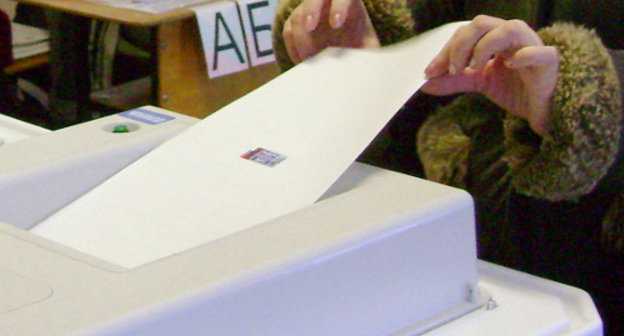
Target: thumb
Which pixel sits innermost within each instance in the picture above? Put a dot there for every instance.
(538, 67)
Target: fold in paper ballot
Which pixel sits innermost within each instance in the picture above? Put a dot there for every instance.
(306, 127)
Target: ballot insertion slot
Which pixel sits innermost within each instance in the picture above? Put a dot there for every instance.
(41, 172)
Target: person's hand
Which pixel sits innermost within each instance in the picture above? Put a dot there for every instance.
(504, 60)
(317, 24)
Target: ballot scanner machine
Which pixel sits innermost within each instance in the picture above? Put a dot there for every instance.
(380, 253)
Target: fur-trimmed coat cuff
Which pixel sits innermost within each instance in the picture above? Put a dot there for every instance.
(582, 140)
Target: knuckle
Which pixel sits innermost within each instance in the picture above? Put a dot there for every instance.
(482, 22)
(514, 30)
(518, 24)
(460, 30)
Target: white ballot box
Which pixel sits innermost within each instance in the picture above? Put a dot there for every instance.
(12, 130)
(380, 253)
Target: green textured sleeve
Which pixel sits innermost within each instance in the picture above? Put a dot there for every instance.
(582, 140)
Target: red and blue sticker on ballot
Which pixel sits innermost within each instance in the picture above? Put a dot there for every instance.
(264, 156)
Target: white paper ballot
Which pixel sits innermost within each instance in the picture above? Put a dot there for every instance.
(312, 121)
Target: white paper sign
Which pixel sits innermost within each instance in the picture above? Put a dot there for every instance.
(313, 121)
(222, 38)
(257, 17)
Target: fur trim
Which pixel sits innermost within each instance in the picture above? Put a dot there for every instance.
(584, 133)
(444, 151)
(392, 20)
(449, 140)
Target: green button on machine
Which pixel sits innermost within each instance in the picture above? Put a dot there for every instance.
(121, 129)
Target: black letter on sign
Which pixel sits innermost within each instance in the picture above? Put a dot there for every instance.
(255, 29)
(218, 47)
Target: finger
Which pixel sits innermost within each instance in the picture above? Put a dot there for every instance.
(539, 122)
(339, 11)
(289, 42)
(534, 56)
(459, 46)
(461, 50)
(538, 118)
(439, 65)
(452, 84)
(312, 12)
(302, 43)
(503, 40)
(538, 67)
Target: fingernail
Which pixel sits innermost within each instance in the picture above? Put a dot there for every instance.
(452, 69)
(337, 20)
(310, 24)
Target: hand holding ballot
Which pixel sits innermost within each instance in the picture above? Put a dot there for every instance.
(504, 60)
(317, 24)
